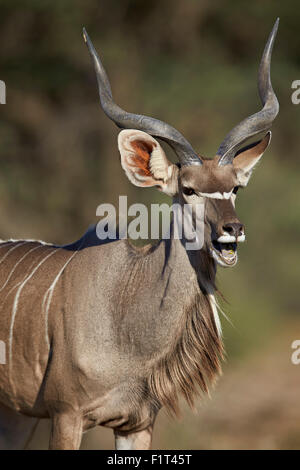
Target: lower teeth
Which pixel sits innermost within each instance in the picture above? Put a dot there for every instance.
(228, 251)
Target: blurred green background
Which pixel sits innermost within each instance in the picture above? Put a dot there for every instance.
(193, 64)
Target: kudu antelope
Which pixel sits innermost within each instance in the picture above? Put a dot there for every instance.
(107, 334)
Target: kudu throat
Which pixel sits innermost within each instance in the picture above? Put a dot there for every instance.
(189, 340)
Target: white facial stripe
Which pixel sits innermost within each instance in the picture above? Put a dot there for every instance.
(233, 198)
(217, 195)
(230, 239)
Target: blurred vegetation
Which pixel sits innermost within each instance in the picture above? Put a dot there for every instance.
(191, 63)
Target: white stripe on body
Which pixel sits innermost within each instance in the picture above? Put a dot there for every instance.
(14, 312)
(15, 266)
(9, 251)
(48, 296)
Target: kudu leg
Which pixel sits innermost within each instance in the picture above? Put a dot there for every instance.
(140, 440)
(66, 432)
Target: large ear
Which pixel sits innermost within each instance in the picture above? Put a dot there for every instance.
(145, 162)
(247, 158)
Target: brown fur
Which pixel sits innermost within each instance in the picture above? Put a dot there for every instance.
(141, 158)
(193, 361)
(210, 177)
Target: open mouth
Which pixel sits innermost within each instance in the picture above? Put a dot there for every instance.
(224, 253)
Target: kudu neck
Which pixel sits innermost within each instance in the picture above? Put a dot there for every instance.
(198, 260)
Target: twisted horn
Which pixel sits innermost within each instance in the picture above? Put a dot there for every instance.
(124, 120)
(260, 121)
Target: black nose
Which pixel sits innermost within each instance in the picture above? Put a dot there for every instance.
(234, 229)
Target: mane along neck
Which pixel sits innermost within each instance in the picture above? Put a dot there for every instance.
(193, 360)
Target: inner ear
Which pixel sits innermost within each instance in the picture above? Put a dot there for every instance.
(143, 151)
(248, 156)
(247, 147)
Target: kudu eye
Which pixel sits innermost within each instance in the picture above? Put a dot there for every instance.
(235, 189)
(188, 191)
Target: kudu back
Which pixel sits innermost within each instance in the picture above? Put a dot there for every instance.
(107, 333)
